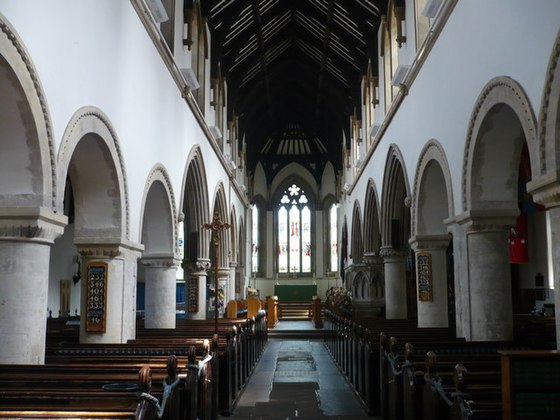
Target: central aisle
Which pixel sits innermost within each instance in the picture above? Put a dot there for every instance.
(297, 379)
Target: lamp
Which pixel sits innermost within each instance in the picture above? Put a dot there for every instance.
(216, 133)
(158, 11)
(400, 73)
(190, 78)
(431, 8)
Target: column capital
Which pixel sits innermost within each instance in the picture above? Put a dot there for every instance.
(233, 264)
(389, 254)
(546, 189)
(488, 219)
(199, 267)
(371, 258)
(426, 242)
(160, 261)
(31, 224)
(106, 247)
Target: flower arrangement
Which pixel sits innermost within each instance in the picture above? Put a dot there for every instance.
(339, 300)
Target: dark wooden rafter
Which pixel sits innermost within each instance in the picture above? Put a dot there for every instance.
(258, 22)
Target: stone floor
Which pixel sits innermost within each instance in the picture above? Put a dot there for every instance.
(297, 378)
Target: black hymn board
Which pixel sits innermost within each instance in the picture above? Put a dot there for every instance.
(96, 310)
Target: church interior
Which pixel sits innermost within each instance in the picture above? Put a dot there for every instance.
(280, 208)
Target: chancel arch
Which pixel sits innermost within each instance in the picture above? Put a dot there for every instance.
(501, 126)
(432, 205)
(159, 235)
(395, 232)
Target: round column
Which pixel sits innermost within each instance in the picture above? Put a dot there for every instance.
(25, 242)
(232, 280)
(431, 280)
(117, 314)
(489, 275)
(197, 274)
(395, 283)
(161, 291)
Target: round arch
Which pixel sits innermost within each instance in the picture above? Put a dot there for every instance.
(432, 198)
(159, 222)
(28, 172)
(502, 120)
(91, 157)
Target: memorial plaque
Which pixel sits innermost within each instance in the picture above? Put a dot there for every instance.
(192, 290)
(96, 306)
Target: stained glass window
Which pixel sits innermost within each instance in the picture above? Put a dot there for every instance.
(294, 232)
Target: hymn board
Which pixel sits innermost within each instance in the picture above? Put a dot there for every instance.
(96, 309)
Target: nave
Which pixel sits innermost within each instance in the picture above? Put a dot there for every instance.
(297, 378)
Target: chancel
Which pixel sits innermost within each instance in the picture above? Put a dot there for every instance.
(279, 209)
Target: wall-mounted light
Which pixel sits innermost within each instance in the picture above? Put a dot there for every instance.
(158, 10)
(431, 8)
(216, 133)
(400, 73)
(190, 78)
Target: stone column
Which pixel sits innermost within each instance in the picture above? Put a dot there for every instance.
(231, 288)
(26, 236)
(197, 272)
(432, 313)
(120, 310)
(395, 283)
(546, 190)
(161, 290)
(489, 273)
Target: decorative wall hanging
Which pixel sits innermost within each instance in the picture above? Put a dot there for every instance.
(424, 272)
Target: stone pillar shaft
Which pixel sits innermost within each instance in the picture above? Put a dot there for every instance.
(197, 272)
(433, 313)
(26, 235)
(395, 283)
(161, 291)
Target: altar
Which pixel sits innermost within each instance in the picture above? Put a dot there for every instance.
(295, 292)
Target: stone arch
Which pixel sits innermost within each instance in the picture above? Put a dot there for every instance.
(549, 118)
(395, 200)
(159, 222)
(28, 172)
(242, 243)
(357, 247)
(432, 199)
(194, 204)
(91, 157)
(490, 167)
(372, 232)
(233, 249)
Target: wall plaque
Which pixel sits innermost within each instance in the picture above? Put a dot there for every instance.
(192, 290)
(96, 309)
(424, 272)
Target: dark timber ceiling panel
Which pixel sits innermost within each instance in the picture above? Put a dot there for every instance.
(293, 69)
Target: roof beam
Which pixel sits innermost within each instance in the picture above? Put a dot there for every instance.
(326, 42)
(258, 22)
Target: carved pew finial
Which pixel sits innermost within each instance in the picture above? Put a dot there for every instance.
(171, 369)
(145, 379)
(460, 378)
(409, 352)
(431, 364)
(192, 355)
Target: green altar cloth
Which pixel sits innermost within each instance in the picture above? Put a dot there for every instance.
(295, 292)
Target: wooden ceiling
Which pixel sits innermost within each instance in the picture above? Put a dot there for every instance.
(293, 65)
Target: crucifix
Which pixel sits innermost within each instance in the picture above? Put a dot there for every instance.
(216, 227)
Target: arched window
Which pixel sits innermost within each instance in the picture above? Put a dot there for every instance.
(294, 232)
(333, 239)
(255, 240)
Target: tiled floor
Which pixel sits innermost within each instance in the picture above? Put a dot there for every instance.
(297, 379)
